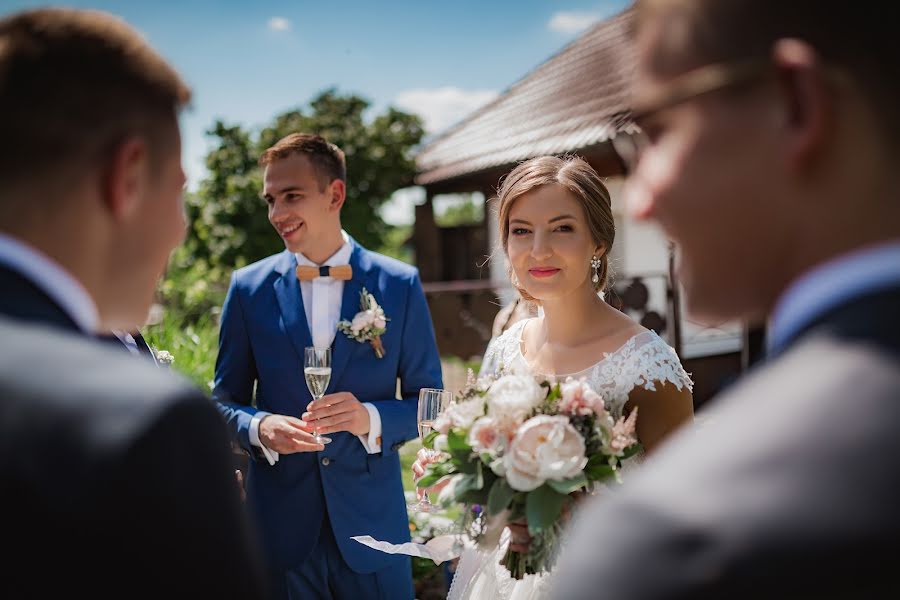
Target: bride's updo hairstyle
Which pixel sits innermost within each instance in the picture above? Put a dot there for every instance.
(574, 174)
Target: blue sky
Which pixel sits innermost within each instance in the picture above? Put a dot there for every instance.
(248, 60)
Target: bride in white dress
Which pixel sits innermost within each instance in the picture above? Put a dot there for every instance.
(556, 228)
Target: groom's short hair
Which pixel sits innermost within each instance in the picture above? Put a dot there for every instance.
(73, 84)
(326, 158)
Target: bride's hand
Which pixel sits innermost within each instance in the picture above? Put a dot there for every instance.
(520, 539)
(425, 457)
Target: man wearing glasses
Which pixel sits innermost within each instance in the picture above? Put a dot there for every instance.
(772, 160)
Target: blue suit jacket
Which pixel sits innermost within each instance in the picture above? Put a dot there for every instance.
(263, 333)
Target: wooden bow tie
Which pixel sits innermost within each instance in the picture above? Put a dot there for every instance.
(339, 272)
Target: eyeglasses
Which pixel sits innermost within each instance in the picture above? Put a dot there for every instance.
(698, 82)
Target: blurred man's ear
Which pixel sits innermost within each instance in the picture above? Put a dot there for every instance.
(125, 177)
(808, 105)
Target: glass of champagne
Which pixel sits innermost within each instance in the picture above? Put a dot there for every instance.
(317, 371)
(432, 403)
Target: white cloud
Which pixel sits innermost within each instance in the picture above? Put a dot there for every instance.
(279, 24)
(444, 106)
(572, 22)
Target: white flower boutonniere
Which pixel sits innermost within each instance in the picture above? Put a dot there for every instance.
(164, 357)
(368, 325)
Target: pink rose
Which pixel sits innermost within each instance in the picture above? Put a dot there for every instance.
(487, 436)
(579, 399)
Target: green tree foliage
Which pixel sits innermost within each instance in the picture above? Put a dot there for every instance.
(463, 209)
(229, 227)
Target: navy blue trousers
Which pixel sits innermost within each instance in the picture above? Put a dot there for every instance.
(326, 576)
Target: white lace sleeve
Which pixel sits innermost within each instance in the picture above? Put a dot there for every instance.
(502, 351)
(644, 361)
(656, 362)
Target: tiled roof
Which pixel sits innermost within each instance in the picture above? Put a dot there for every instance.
(577, 98)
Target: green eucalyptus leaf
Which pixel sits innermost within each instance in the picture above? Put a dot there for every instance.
(542, 508)
(567, 486)
(428, 442)
(500, 496)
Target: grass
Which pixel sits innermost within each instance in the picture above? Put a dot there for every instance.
(193, 344)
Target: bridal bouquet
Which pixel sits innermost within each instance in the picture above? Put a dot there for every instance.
(515, 447)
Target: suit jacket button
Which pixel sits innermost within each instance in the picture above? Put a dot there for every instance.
(326, 461)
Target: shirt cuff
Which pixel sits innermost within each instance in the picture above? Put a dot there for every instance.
(270, 455)
(372, 440)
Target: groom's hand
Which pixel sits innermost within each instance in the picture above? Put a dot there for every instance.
(287, 435)
(338, 412)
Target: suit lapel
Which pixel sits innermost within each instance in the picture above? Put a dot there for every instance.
(290, 301)
(343, 346)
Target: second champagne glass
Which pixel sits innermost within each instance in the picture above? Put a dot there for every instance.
(432, 403)
(317, 371)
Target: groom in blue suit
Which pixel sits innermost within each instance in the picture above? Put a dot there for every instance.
(308, 499)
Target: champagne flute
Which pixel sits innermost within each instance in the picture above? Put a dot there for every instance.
(317, 371)
(432, 403)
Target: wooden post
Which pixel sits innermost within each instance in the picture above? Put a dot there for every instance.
(427, 241)
(676, 302)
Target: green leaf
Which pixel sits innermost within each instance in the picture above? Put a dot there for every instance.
(598, 468)
(428, 442)
(456, 440)
(567, 486)
(429, 479)
(555, 393)
(461, 451)
(631, 450)
(500, 496)
(542, 508)
(434, 473)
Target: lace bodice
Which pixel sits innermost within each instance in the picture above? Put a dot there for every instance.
(643, 361)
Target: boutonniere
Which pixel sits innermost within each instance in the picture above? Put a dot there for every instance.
(368, 325)
(164, 357)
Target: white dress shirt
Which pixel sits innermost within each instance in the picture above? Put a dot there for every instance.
(828, 285)
(322, 299)
(128, 340)
(53, 280)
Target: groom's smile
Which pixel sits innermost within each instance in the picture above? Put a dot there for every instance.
(289, 232)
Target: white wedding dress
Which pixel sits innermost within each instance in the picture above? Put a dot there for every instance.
(643, 361)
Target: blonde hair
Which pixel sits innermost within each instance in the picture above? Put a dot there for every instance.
(577, 176)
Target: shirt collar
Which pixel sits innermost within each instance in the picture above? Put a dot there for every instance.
(831, 284)
(52, 279)
(341, 257)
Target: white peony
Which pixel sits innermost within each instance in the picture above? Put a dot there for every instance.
(443, 423)
(512, 398)
(459, 415)
(545, 447)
